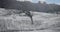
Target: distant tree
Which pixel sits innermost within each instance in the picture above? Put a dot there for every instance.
(9, 4)
(44, 2)
(57, 9)
(54, 8)
(2, 3)
(39, 2)
(28, 6)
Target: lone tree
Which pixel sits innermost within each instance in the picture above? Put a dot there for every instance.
(28, 13)
(26, 9)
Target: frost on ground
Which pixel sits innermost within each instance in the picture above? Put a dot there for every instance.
(42, 22)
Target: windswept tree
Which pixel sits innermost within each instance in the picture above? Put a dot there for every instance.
(26, 8)
(29, 14)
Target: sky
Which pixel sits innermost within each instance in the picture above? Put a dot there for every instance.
(53, 1)
(47, 1)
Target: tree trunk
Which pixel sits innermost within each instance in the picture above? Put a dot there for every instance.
(31, 20)
(57, 13)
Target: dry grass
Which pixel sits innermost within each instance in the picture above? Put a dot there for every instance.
(41, 20)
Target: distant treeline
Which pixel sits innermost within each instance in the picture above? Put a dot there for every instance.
(29, 6)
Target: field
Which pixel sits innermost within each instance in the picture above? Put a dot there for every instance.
(43, 22)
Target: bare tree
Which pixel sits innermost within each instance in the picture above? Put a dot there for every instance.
(28, 13)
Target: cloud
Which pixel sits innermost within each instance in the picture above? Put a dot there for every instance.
(33, 0)
(58, 3)
(24, 0)
(28, 0)
(41, 0)
(20, 0)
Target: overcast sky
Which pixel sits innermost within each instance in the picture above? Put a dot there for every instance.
(48, 1)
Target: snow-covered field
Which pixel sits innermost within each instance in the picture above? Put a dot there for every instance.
(43, 22)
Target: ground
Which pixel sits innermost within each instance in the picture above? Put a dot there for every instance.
(43, 22)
